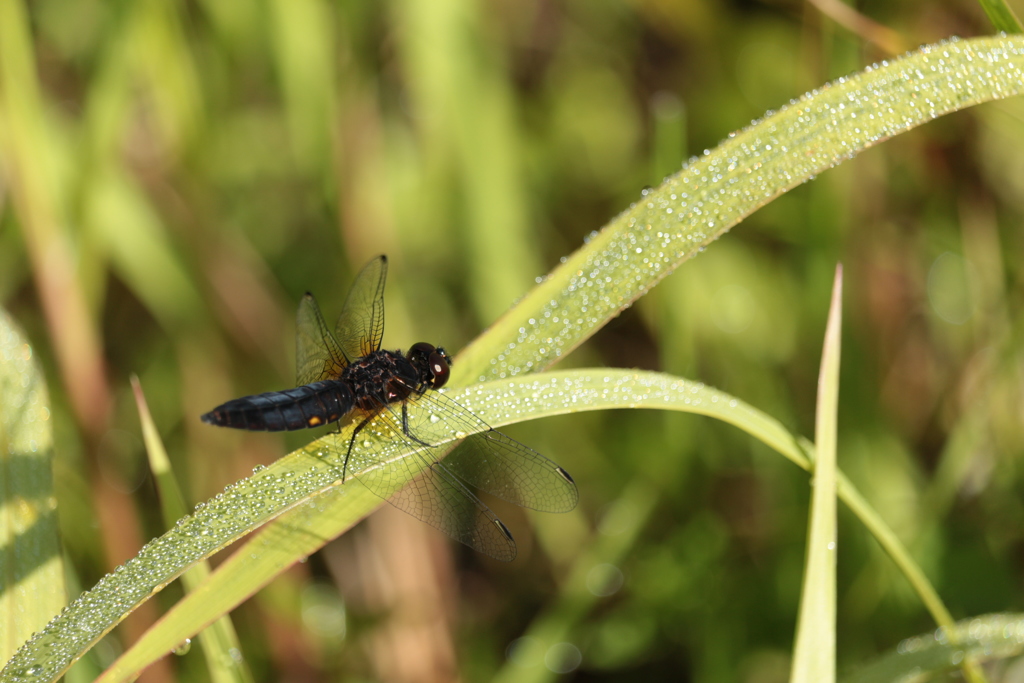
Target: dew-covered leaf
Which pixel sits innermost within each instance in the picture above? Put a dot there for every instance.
(716, 190)
(219, 642)
(309, 526)
(31, 565)
(940, 654)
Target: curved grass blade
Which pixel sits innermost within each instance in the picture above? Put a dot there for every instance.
(295, 535)
(219, 642)
(987, 638)
(324, 516)
(31, 565)
(814, 653)
(715, 191)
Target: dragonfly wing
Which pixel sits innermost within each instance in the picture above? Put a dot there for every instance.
(505, 468)
(442, 501)
(317, 353)
(490, 460)
(433, 495)
(360, 327)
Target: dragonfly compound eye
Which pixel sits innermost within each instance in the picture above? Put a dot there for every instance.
(439, 369)
(421, 349)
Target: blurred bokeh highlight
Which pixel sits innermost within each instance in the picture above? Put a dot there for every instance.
(173, 176)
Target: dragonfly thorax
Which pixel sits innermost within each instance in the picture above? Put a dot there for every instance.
(380, 378)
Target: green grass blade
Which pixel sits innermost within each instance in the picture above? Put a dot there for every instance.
(219, 641)
(716, 190)
(323, 516)
(1001, 16)
(295, 535)
(31, 564)
(328, 510)
(987, 638)
(814, 653)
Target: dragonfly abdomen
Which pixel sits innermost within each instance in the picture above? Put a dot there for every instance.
(311, 405)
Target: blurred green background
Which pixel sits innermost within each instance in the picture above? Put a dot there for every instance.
(173, 176)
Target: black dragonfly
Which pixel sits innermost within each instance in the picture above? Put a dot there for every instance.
(390, 392)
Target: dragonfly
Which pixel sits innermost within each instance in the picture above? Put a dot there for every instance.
(346, 375)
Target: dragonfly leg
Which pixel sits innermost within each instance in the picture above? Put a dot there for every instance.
(351, 442)
(405, 427)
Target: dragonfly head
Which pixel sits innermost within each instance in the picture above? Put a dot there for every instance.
(431, 362)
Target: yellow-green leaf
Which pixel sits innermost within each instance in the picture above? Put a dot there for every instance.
(325, 515)
(716, 190)
(31, 565)
(814, 653)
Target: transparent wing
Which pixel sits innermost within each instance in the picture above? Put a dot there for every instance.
(360, 327)
(490, 460)
(317, 354)
(443, 502)
(438, 493)
(434, 496)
